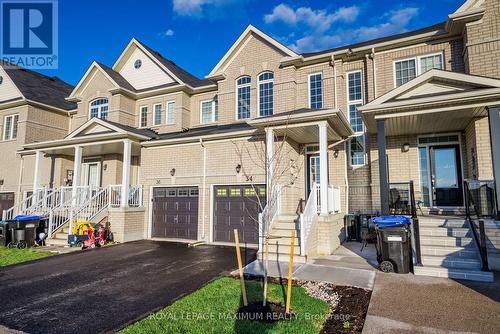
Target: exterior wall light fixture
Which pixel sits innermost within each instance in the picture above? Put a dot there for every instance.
(172, 172)
(405, 148)
(238, 168)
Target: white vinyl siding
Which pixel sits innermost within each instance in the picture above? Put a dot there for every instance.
(316, 91)
(408, 69)
(157, 114)
(147, 76)
(10, 127)
(143, 117)
(170, 112)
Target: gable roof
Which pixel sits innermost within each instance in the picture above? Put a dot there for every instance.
(240, 42)
(432, 86)
(109, 127)
(117, 77)
(40, 88)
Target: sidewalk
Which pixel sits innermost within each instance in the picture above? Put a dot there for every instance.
(420, 304)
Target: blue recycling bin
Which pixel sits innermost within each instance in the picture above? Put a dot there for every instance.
(393, 243)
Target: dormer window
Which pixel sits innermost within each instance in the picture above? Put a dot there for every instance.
(243, 97)
(137, 64)
(99, 108)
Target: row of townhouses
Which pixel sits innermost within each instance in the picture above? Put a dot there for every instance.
(160, 153)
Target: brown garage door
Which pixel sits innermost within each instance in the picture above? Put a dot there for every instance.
(238, 207)
(175, 213)
(6, 202)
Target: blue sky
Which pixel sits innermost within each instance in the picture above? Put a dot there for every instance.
(196, 33)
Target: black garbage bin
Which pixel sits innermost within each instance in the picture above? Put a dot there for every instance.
(5, 234)
(24, 231)
(393, 243)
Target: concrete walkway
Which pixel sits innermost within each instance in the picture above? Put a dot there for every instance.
(420, 304)
(344, 267)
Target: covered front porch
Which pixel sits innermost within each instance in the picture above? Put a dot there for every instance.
(437, 131)
(93, 170)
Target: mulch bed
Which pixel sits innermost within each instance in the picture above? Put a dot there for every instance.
(270, 313)
(350, 313)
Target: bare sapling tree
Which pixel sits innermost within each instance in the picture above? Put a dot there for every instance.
(281, 170)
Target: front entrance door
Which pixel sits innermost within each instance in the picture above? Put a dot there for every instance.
(92, 174)
(6, 202)
(313, 172)
(446, 175)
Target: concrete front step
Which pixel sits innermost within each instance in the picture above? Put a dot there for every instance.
(278, 232)
(445, 241)
(282, 225)
(61, 235)
(282, 240)
(451, 262)
(454, 273)
(57, 242)
(283, 248)
(462, 252)
(282, 257)
(444, 232)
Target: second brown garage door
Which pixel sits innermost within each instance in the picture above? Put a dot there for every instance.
(238, 207)
(175, 213)
(6, 202)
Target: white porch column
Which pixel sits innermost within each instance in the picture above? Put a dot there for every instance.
(77, 171)
(127, 151)
(38, 166)
(270, 162)
(494, 120)
(323, 166)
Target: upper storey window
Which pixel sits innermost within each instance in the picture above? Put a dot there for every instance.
(99, 108)
(266, 94)
(408, 69)
(243, 97)
(209, 111)
(354, 100)
(10, 127)
(316, 91)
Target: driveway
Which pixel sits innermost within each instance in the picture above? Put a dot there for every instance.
(106, 289)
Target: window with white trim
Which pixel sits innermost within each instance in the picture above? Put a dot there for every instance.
(354, 100)
(10, 127)
(266, 93)
(157, 114)
(99, 108)
(143, 115)
(316, 91)
(209, 111)
(243, 86)
(408, 69)
(171, 112)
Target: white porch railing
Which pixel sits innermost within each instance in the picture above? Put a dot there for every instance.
(333, 199)
(134, 195)
(271, 211)
(33, 199)
(308, 217)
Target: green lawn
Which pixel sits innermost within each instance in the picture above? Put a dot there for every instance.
(13, 256)
(212, 309)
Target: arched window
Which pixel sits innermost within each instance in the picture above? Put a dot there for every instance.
(243, 97)
(99, 108)
(266, 94)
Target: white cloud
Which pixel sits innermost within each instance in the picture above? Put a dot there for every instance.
(392, 22)
(397, 23)
(319, 20)
(168, 33)
(196, 8)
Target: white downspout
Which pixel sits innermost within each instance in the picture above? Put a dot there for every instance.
(346, 178)
(203, 204)
(19, 189)
(374, 74)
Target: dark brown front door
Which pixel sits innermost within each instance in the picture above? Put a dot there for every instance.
(175, 213)
(6, 202)
(238, 207)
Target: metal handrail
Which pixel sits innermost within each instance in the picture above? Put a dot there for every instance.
(480, 239)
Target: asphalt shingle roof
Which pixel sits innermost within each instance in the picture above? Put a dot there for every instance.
(40, 88)
(117, 77)
(206, 130)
